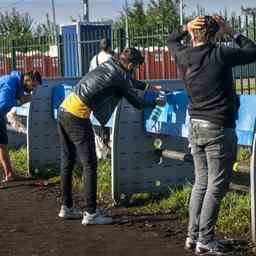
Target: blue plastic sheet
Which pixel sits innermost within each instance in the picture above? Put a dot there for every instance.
(246, 122)
(60, 93)
(174, 119)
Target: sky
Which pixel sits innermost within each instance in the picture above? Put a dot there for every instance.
(106, 9)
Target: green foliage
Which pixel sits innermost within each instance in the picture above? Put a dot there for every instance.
(158, 12)
(15, 25)
(176, 201)
(19, 159)
(243, 154)
(163, 12)
(234, 216)
(46, 29)
(137, 16)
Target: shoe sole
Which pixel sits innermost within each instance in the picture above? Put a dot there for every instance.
(70, 217)
(214, 253)
(189, 249)
(96, 223)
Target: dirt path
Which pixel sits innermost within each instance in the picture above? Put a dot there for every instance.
(29, 226)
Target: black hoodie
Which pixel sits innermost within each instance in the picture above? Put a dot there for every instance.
(208, 77)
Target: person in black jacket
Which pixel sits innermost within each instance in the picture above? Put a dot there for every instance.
(99, 92)
(213, 108)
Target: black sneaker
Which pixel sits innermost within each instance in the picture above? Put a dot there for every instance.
(190, 244)
(212, 248)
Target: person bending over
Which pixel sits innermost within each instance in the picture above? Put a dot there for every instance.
(99, 92)
(13, 90)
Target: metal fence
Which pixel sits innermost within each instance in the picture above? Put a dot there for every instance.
(68, 55)
(159, 63)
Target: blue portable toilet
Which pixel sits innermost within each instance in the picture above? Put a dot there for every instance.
(80, 43)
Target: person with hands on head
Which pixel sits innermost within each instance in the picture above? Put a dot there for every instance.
(213, 109)
(99, 92)
(15, 90)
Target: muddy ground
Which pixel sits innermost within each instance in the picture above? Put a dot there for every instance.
(29, 226)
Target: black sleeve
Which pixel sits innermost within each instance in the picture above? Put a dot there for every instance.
(126, 90)
(139, 84)
(239, 56)
(175, 46)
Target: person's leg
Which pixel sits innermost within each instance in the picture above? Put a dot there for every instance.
(5, 161)
(200, 185)
(68, 158)
(84, 140)
(4, 155)
(82, 136)
(221, 154)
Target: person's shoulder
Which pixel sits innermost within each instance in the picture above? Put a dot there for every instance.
(13, 79)
(115, 69)
(103, 57)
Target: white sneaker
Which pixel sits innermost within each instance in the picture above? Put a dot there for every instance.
(212, 248)
(70, 213)
(96, 219)
(190, 244)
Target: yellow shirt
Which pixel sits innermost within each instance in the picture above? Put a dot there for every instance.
(75, 106)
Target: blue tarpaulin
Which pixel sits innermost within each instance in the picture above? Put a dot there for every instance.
(59, 94)
(174, 119)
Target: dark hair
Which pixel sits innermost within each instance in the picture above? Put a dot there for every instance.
(105, 44)
(209, 29)
(34, 75)
(211, 25)
(131, 55)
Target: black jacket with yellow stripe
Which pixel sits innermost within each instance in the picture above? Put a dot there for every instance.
(102, 89)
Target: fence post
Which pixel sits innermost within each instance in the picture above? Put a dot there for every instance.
(253, 190)
(60, 55)
(13, 55)
(123, 39)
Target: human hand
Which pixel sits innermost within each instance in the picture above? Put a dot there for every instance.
(155, 88)
(160, 102)
(225, 28)
(197, 23)
(25, 99)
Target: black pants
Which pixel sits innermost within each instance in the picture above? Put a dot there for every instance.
(77, 139)
(3, 130)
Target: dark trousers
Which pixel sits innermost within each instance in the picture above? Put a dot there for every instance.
(214, 151)
(77, 139)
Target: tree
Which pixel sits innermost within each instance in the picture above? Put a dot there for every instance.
(15, 25)
(46, 29)
(137, 16)
(249, 26)
(120, 21)
(163, 12)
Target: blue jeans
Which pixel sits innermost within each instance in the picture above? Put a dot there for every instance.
(214, 151)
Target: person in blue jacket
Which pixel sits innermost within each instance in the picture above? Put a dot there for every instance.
(15, 90)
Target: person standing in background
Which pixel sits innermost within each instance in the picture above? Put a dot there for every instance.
(102, 134)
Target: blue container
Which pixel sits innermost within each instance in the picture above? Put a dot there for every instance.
(80, 43)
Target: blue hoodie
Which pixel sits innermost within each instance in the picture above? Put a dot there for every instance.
(11, 89)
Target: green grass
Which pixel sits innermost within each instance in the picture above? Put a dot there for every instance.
(235, 209)
(19, 159)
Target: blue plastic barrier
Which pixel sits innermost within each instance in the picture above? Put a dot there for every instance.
(60, 93)
(174, 119)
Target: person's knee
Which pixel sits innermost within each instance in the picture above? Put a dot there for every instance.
(201, 182)
(218, 190)
(68, 165)
(3, 147)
